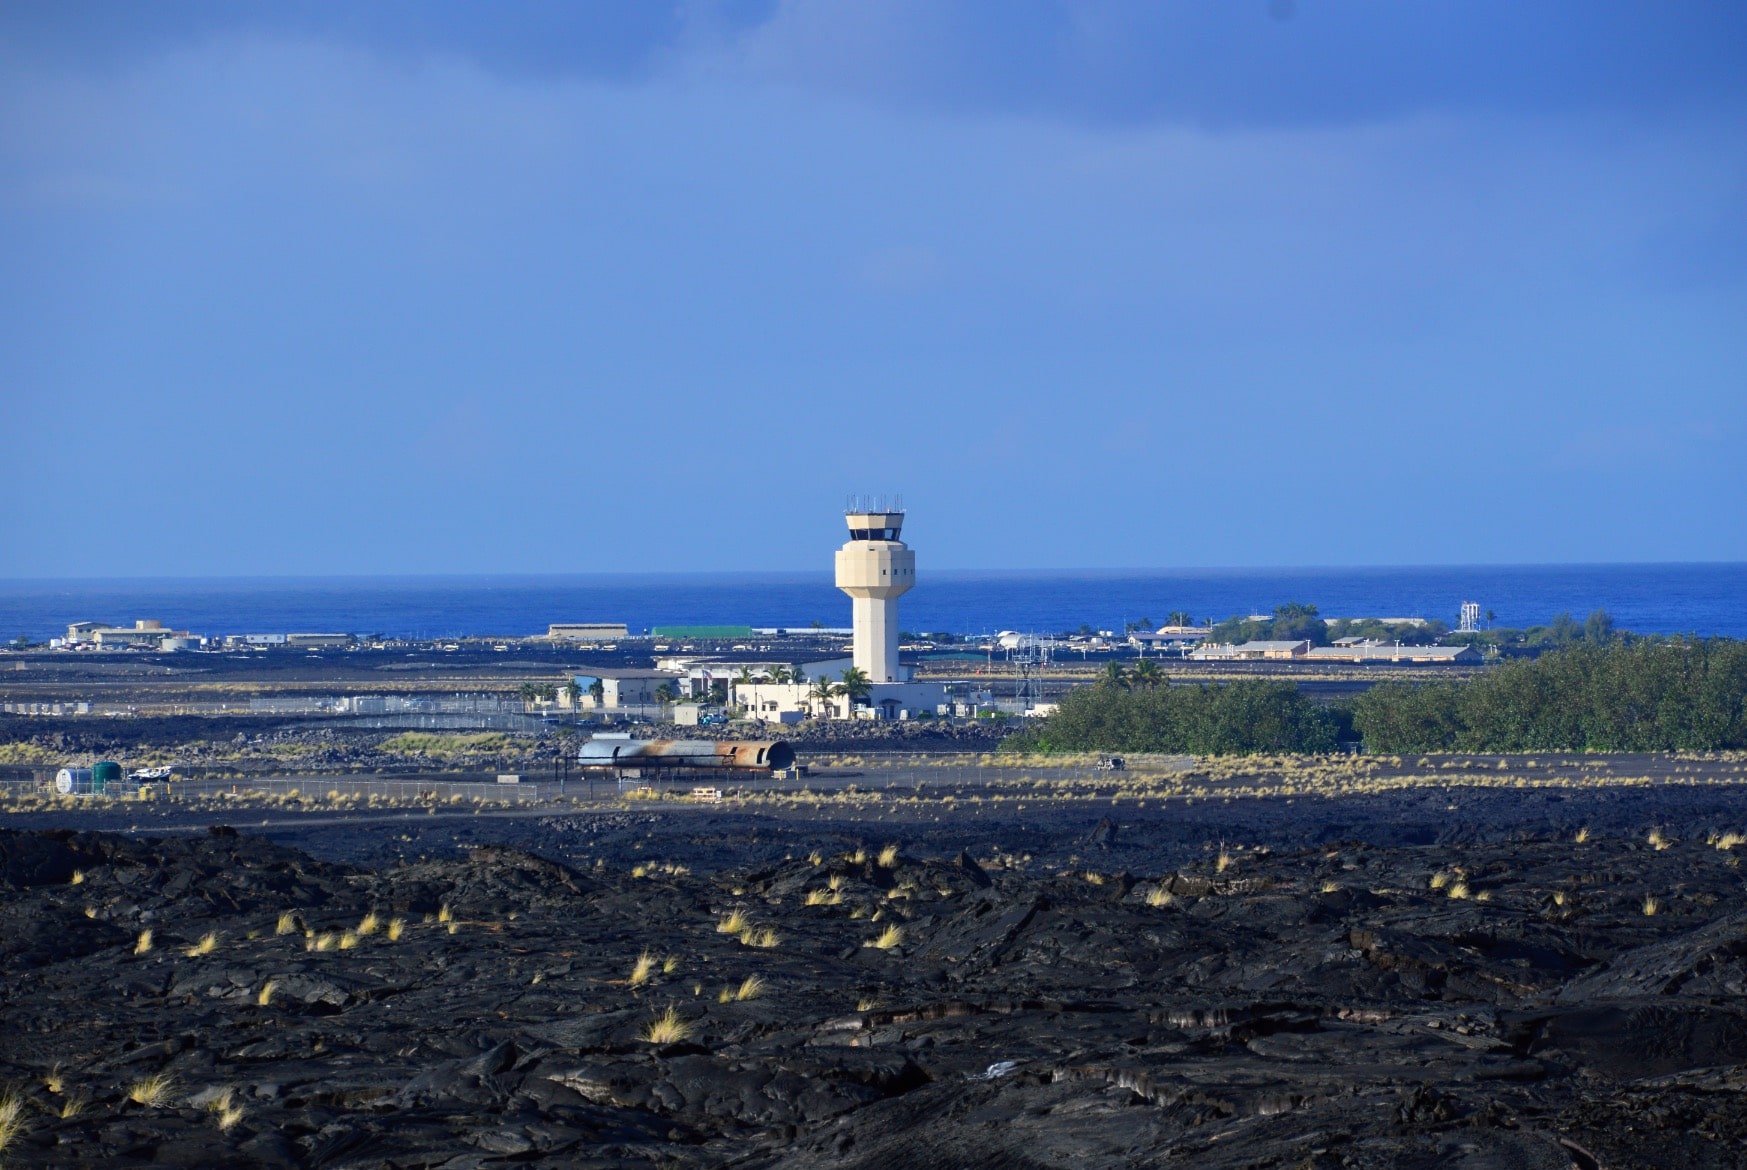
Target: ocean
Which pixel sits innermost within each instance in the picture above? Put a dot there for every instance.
(1707, 599)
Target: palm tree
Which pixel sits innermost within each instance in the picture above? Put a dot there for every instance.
(573, 692)
(823, 692)
(1179, 618)
(744, 678)
(665, 694)
(856, 684)
(1115, 675)
(781, 675)
(1146, 675)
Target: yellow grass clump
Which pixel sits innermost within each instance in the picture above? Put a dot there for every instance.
(208, 943)
(11, 1119)
(153, 1092)
(143, 944)
(888, 857)
(642, 969)
(1651, 905)
(667, 1028)
(750, 988)
(396, 927)
(735, 923)
(225, 1108)
(369, 924)
(889, 938)
(287, 923)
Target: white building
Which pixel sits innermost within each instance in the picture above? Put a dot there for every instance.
(622, 688)
(588, 631)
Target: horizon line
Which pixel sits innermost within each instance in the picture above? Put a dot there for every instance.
(1116, 570)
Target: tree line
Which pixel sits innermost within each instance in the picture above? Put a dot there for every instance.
(1675, 694)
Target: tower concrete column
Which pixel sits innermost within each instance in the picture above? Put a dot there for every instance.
(875, 567)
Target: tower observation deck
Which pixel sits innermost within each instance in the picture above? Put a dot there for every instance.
(875, 568)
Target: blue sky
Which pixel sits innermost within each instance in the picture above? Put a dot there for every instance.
(418, 287)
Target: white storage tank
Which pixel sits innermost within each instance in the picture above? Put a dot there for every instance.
(71, 780)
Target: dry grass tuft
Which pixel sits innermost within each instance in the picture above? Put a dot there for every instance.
(71, 1108)
(348, 940)
(54, 1082)
(266, 996)
(446, 915)
(11, 1119)
(1658, 840)
(1440, 880)
(226, 1109)
(143, 944)
(78, 878)
(153, 1092)
(1224, 861)
(1159, 897)
(765, 937)
(667, 1028)
(888, 857)
(287, 923)
(1458, 890)
(889, 938)
(750, 988)
(369, 924)
(1728, 841)
(319, 942)
(208, 943)
(735, 923)
(821, 898)
(1582, 835)
(836, 882)
(1331, 887)
(642, 969)
(396, 928)
(1651, 905)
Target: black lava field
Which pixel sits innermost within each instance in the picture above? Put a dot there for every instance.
(1399, 981)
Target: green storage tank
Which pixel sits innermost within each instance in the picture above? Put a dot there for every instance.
(103, 774)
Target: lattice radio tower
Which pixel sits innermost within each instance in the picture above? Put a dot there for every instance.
(1029, 659)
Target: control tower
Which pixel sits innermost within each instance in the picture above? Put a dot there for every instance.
(875, 568)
